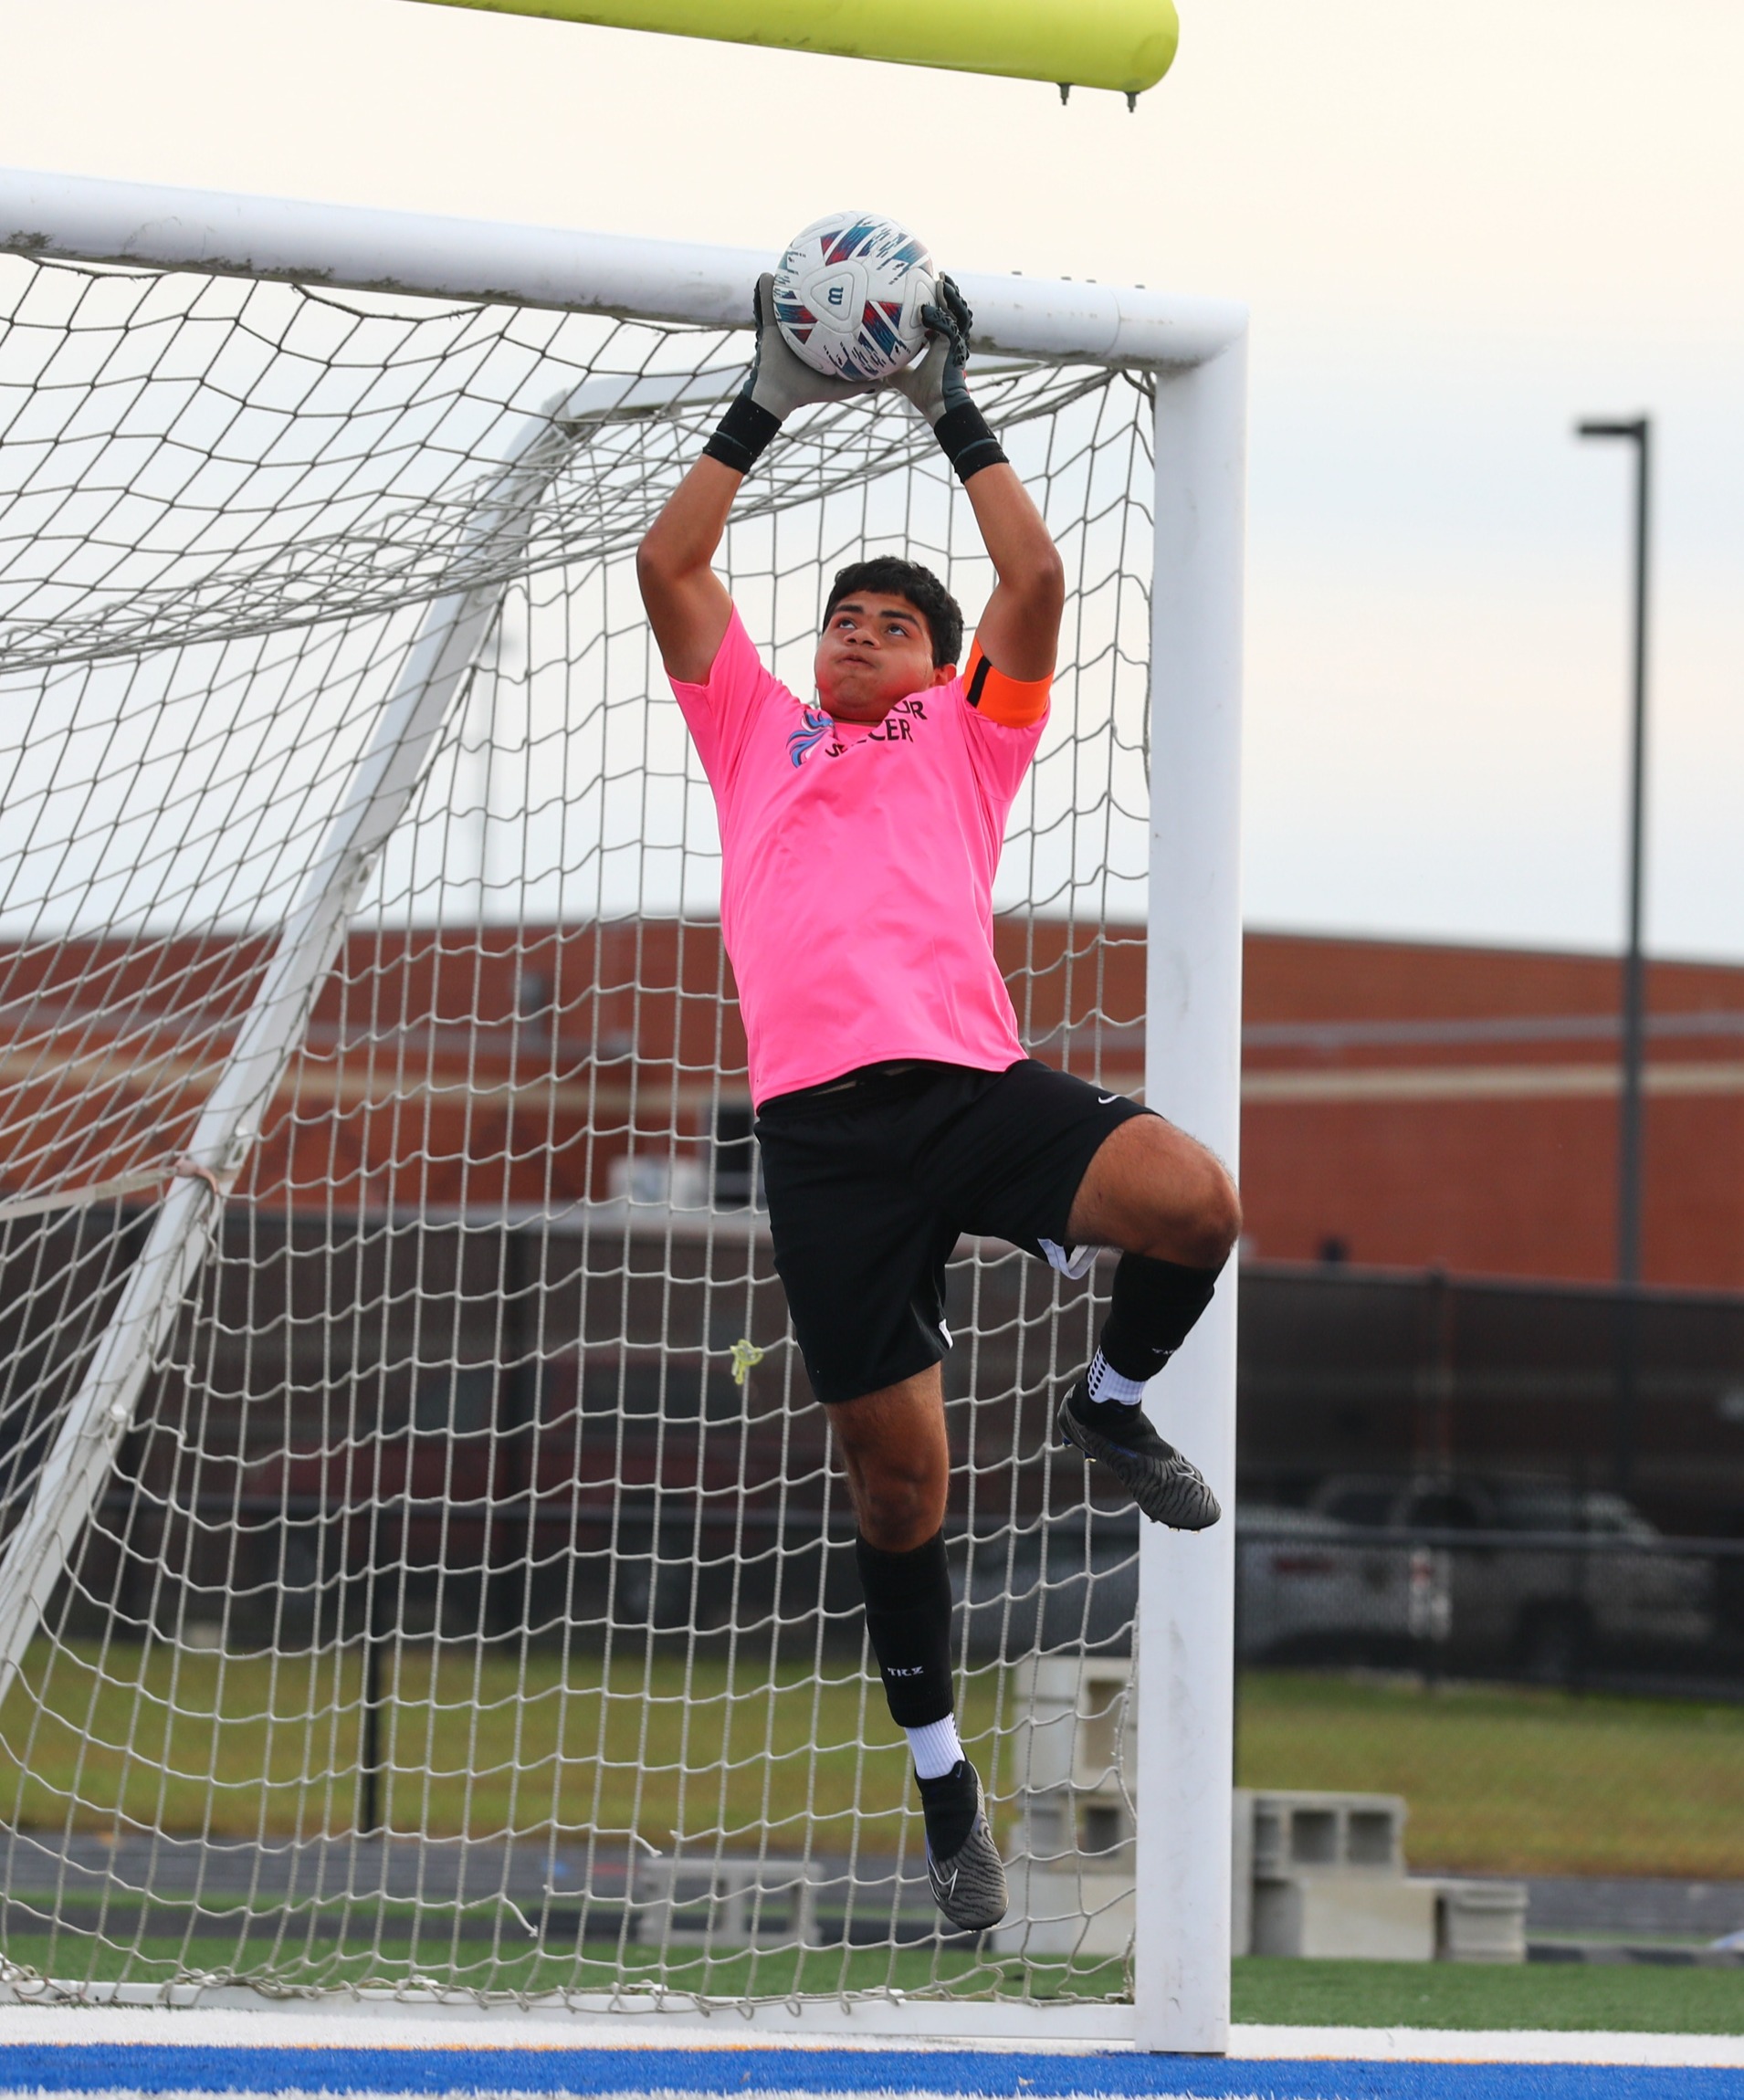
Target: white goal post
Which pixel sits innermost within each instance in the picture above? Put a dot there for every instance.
(1191, 354)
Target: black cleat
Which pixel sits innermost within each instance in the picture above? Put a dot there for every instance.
(964, 1865)
(1168, 1488)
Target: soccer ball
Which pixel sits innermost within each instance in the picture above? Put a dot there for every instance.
(848, 295)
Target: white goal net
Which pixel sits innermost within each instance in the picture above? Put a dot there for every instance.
(421, 1566)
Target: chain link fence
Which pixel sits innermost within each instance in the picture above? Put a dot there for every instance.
(1477, 1569)
(1490, 1554)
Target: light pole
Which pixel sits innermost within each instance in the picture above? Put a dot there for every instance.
(1638, 433)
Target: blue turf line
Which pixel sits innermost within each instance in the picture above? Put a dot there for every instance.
(150, 2068)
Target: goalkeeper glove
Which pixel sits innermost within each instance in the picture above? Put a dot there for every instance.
(937, 385)
(778, 384)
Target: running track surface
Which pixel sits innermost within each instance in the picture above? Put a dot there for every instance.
(131, 2071)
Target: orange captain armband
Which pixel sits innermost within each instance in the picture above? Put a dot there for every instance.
(1014, 703)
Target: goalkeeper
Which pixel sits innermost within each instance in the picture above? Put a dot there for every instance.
(896, 1107)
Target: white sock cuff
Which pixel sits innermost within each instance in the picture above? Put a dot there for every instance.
(936, 1747)
(1105, 1383)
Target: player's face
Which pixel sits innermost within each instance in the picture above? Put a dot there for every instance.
(875, 650)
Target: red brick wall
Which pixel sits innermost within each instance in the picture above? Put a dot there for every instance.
(1417, 1104)
(1493, 1150)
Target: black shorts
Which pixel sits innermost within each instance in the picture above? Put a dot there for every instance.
(872, 1178)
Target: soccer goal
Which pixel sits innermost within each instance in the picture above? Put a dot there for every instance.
(422, 1573)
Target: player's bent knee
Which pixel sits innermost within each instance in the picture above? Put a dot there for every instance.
(1220, 1219)
(1198, 1225)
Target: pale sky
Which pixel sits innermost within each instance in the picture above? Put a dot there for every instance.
(1458, 231)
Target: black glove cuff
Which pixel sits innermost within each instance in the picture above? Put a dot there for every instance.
(967, 442)
(744, 431)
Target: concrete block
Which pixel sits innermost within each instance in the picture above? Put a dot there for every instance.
(1481, 1921)
(1345, 1917)
(1072, 1723)
(723, 1903)
(1054, 1909)
(1241, 1873)
(1300, 1832)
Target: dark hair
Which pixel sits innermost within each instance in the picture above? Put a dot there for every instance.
(898, 579)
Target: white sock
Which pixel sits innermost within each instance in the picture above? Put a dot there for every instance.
(1105, 1383)
(936, 1747)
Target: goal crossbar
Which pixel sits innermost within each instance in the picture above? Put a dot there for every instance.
(82, 219)
(1191, 352)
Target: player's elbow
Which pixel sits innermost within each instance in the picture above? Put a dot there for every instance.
(1039, 591)
(662, 573)
(654, 567)
(1042, 585)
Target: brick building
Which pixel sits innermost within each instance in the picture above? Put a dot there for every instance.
(1405, 1104)
(1414, 1105)
(434, 1254)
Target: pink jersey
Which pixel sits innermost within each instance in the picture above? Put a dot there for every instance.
(856, 892)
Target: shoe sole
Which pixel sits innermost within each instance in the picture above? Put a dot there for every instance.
(1180, 1499)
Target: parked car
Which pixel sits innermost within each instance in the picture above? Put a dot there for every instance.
(1067, 1582)
(1546, 1577)
(1313, 1587)
(1308, 1586)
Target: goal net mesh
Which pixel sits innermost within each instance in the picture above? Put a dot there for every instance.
(464, 1600)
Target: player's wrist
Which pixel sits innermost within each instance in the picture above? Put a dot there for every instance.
(777, 383)
(743, 434)
(967, 440)
(941, 386)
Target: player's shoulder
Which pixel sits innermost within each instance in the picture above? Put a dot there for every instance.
(738, 653)
(737, 667)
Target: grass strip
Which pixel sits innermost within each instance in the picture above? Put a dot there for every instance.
(1501, 1779)
(1512, 1780)
(1572, 1997)
(936, 1972)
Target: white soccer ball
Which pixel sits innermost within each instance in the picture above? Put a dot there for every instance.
(848, 295)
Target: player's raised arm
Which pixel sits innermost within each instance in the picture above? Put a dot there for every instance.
(686, 602)
(1019, 628)
(687, 605)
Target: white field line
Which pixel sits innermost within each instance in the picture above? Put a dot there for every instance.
(395, 2025)
(390, 2030)
(1502, 2045)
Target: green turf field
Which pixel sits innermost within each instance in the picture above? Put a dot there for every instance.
(1572, 1997)
(1499, 1779)
(1447, 1994)
(936, 1972)
(475, 1742)
(1510, 1779)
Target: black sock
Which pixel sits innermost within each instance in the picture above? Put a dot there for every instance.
(949, 1805)
(907, 1615)
(1155, 1307)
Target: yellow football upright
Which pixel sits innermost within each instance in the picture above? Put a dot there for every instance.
(1127, 45)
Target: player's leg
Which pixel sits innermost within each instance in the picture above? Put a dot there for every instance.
(862, 1257)
(893, 1450)
(1168, 1206)
(897, 1461)
(1157, 1194)
(1059, 1168)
